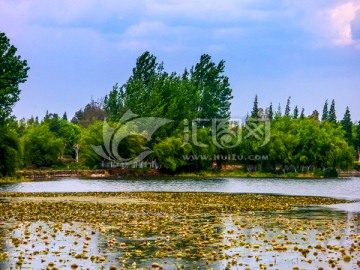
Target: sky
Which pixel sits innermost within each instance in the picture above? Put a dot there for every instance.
(77, 50)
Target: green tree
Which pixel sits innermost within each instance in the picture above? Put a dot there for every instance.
(203, 92)
(140, 86)
(114, 103)
(271, 113)
(347, 126)
(332, 113)
(170, 153)
(357, 140)
(315, 115)
(278, 112)
(9, 151)
(92, 112)
(307, 145)
(13, 72)
(296, 112)
(69, 133)
(302, 114)
(287, 108)
(213, 88)
(92, 135)
(65, 116)
(41, 146)
(255, 110)
(325, 114)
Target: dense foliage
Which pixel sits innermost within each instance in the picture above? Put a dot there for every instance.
(202, 92)
(13, 71)
(200, 135)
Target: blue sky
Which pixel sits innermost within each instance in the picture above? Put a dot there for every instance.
(77, 50)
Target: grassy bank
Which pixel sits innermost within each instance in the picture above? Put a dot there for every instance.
(25, 175)
(242, 174)
(62, 173)
(13, 179)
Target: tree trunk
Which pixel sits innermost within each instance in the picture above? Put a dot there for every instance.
(77, 148)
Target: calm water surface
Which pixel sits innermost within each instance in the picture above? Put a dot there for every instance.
(348, 188)
(248, 244)
(302, 227)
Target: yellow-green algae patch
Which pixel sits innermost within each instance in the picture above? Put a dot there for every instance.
(169, 201)
(150, 230)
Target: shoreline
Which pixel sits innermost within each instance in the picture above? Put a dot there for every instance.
(120, 173)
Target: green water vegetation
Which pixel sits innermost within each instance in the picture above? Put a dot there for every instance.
(144, 230)
(267, 141)
(13, 179)
(241, 173)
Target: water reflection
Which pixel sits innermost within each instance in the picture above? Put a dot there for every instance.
(340, 188)
(3, 247)
(307, 238)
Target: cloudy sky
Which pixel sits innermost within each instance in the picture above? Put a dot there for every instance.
(77, 50)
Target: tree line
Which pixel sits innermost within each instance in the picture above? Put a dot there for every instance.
(192, 100)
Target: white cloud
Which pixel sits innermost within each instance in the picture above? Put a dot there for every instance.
(341, 18)
(355, 26)
(328, 21)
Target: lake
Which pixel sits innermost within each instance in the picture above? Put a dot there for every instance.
(348, 188)
(308, 237)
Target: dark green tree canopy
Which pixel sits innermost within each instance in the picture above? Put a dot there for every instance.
(213, 88)
(92, 112)
(9, 151)
(347, 125)
(65, 116)
(356, 141)
(332, 113)
(296, 112)
(271, 113)
(325, 113)
(202, 92)
(287, 108)
(255, 109)
(302, 114)
(278, 112)
(13, 71)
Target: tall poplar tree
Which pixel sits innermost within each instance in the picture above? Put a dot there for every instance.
(325, 113)
(255, 110)
(332, 113)
(287, 108)
(347, 126)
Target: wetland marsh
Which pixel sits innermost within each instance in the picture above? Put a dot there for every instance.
(175, 230)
